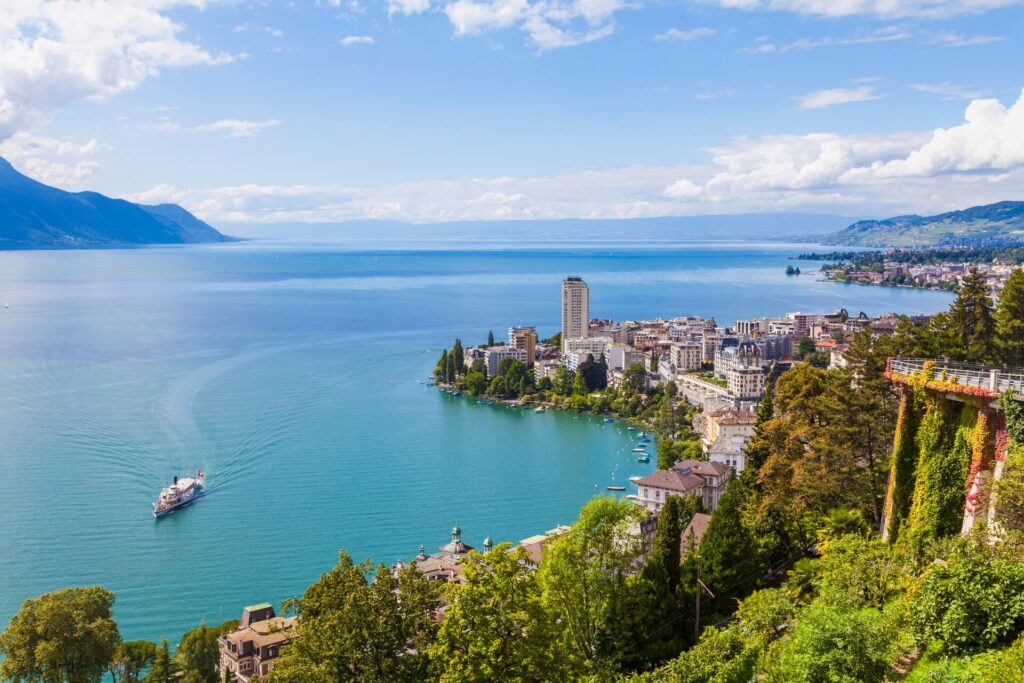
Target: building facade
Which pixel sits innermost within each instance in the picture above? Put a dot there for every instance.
(686, 478)
(493, 355)
(524, 339)
(686, 356)
(575, 309)
(249, 652)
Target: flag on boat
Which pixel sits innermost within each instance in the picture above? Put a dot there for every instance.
(199, 473)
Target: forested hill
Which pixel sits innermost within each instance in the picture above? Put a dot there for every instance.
(1000, 223)
(37, 216)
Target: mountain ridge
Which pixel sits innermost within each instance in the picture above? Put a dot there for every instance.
(1001, 222)
(34, 215)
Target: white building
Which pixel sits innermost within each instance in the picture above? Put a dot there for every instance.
(729, 451)
(575, 309)
(621, 357)
(686, 356)
(686, 478)
(585, 345)
(493, 355)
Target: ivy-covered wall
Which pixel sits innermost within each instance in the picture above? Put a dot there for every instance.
(944, 441)
(904, 462)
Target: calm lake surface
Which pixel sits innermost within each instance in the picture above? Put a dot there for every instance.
(289, 374)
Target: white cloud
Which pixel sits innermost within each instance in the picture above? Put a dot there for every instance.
(349, 41)
(55, 53)
(408, 7)
(232, 128)
(886, 34)
(687, 36)
(877, 8)
(947, 90)
(978, 161)
(683, 189)
(829, 98)
(548, 24)
(63, 163)
(991, 138)
(953, 39)
(715, 94)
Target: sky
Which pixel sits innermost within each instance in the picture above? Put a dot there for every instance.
(432, 110)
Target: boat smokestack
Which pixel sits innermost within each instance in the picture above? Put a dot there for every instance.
(175, 480)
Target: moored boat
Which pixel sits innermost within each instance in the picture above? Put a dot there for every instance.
(182, 492)
(616, 488)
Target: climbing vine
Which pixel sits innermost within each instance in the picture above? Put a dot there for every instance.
(944, 441)
(904, 459)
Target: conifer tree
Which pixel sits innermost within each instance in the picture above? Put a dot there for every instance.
(449, 368)
(970, 319)
(1010, 320)
(459, 358)
(164, 669)
(490, 337)
(730, 569)
(579, 386)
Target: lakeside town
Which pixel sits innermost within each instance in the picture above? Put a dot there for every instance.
(720, 372)
(938, 268)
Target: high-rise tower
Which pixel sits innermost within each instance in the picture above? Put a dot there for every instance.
(575, 308)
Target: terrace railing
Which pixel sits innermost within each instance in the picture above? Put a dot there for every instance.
(997, 380)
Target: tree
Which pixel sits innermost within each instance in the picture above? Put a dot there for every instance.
(497, 387)
(562, 383)
(480, 366)
(64, 636)
(441, 369)
(1009, 319)
(634, 380)
(833, 643)
(449, 368)
(654, 361)
(459, 357)
(198, 654)
(130, 658)
(729, 567)
(495, 626)
(971, 321)
(476, 383)
(354, 629)
(164, 669)
(805, 347)
(490, 338)
(579, 386)
(584, 571)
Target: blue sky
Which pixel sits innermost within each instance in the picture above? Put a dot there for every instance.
(429, 110)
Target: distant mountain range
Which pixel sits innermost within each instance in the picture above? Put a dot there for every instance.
(999, 223)
(739, 227)
(37, 216)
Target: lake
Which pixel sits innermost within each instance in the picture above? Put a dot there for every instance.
(289, 373)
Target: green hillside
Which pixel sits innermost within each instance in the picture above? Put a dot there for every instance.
(1001, 223)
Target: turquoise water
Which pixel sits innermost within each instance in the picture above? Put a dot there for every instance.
(289, 374)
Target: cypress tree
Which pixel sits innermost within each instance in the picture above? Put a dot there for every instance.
(1010, 320)
(459, 358)
(971, 320)
(449, 368)
(730, 568)
(490, 337)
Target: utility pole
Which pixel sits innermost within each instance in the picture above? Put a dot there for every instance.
(696, 620)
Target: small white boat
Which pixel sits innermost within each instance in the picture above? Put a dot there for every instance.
(639, 449)
(616, 488)
(541, 409)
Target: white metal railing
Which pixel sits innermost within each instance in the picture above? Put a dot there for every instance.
(995, 379)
